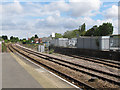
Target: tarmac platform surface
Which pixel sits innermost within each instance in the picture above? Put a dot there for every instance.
(20, 73)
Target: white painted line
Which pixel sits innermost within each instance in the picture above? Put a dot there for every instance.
(50, 72)
(39, 70)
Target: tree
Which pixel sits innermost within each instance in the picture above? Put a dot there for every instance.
(92, 32)
(11, 37)
(58, 35)
(32, 38)
(36, 36)
(105, 29)
(71, 34)
(14, 39)
(83, 27)
(75, 33)
(82, 30)
(4, 37)
(68, 34)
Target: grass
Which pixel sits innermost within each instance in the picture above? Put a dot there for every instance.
(51, 51)
(4, 47)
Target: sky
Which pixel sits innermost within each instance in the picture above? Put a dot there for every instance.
(25, 18)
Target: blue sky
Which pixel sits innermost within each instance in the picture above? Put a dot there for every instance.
(24, 19)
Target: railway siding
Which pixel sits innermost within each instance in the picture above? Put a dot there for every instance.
(63, 67)
(84, 64)
(95, 74)
(53, 67)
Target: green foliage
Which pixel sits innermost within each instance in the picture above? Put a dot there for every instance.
(51, 51)
(103, 30)
(4, 37)
(82, 30)
(71, 34)
(67, 34)
(74, 33)
(14, 39)
(83, 27)
(58, 35)
(83, 33)
(92, 32)
(36, 36)
(6, 41)
(28, 41)
(4, 47)
(32, 38)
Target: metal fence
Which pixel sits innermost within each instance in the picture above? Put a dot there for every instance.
(104, 43)
(96, 43)
(115, 43)
(64, 42)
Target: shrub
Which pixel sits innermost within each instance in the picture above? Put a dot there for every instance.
(51, 51)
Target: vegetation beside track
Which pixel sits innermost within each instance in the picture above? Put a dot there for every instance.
(32, 46)
(4, 47)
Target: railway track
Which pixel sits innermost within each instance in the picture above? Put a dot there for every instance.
(78, 67)
(105, 60)
(93, 58)
(82, 66)
(89, 71)
(67, 77)
(97, 60)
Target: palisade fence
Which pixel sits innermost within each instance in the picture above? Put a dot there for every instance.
(104, 43)
(115, 44)
(60, 42)
(94, 43)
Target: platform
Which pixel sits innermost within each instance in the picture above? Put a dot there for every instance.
(17, 72)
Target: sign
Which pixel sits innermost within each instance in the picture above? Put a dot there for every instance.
(53, 34)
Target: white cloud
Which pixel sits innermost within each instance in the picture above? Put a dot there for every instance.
(111, 12)
(72, 23)
(12, 8)
(17, 17)
(76, 9)
(84, 7)
(62, 6)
